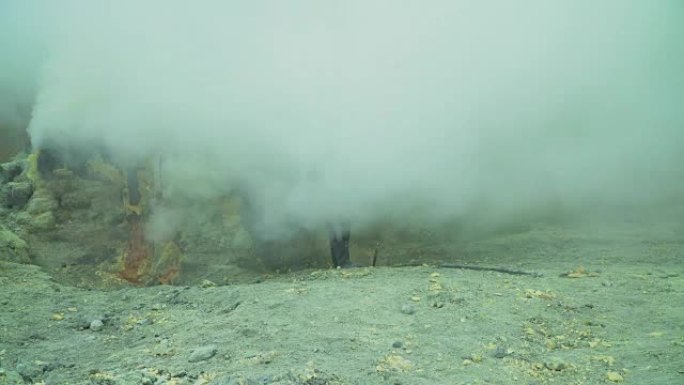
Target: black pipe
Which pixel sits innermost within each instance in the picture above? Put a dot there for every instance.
(339, 244)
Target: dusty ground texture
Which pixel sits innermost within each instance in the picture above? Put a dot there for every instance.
(606, 307)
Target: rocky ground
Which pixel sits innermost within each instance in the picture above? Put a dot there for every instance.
(603, 305)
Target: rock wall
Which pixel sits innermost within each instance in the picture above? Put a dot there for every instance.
(78, 222)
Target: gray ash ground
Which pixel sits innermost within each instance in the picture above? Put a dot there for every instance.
(607, 308)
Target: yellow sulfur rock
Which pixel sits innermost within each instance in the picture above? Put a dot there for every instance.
(614, 377)
(530, 293)
(394, 363)
(550, 344)
(608, 360)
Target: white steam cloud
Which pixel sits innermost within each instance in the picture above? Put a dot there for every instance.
(359, 109)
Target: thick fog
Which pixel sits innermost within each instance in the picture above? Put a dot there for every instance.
(362, 110)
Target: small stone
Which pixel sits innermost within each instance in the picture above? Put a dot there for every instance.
(202, 353)
(408, 309)
(96, 325)
(394, 363)
(614, 377)
(180, 374)
(10, 377)
(473, 358)
(501, 351)
(81, 322)
(397, 344)
(555, 364)
(29, 370)
(149, 378)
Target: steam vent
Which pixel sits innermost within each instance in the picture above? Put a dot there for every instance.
(341, 193)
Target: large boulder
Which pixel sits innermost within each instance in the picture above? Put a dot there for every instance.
(12, 248)
(42, 201)
(11, 170)
(15, 195)
(15, 189)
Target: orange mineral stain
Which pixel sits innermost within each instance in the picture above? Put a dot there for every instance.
(138, 252)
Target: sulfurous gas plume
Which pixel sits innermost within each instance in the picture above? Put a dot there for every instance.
(362, 110)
